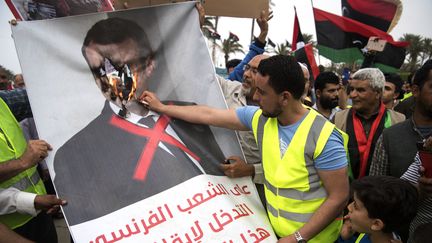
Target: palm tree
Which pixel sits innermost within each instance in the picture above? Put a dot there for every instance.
(208, 26)
(283, 48)
(414, 49)
(308, 38)
(426, 49)
(214, 39)
(9, 74)
(229, 46)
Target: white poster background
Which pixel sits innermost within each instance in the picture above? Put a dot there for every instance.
(214, 209)
(65, 98)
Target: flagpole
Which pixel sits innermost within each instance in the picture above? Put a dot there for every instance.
(319, 56)
(252, 30)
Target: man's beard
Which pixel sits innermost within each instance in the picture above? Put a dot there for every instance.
(246, 91)
(328, 104)
(273, 114)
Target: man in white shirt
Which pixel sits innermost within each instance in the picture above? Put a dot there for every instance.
(13, 200)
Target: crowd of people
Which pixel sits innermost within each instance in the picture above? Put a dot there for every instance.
(306, 143)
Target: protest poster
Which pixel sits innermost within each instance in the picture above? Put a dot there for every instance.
(130, 175)
(48, 9)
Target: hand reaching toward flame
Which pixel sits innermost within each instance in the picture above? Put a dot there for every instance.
(151, 101)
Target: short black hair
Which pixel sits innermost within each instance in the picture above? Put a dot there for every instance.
(422, 74)
(325, 78)
(390, 199)
(285, 74)
(117, 30)
(397, 81)
(232, 63)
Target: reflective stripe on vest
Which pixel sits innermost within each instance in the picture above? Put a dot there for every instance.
(12, 146)
(26, 182)
(314, 193)
(293, 188)
(360, 237)
(298, 217)
(387, 121)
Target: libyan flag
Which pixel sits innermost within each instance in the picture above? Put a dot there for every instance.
(305, 55)
(297, 41)
(380, 14)
(341, 39)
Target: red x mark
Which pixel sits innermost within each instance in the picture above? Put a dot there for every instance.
(155, 135)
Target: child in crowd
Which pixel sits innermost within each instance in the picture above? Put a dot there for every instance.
(380, 207)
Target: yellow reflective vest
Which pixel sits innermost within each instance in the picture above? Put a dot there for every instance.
(12, 146)
(293, 189)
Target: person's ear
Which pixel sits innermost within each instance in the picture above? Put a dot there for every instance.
(285, 97)
(318, 93)
(150, 66)
(379, 94)
(377, 225)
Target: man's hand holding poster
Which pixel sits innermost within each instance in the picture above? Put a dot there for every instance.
(130, 174)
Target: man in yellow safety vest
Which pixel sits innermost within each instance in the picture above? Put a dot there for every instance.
(303, 155)
(23, 192)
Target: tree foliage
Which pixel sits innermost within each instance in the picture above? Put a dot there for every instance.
(413, 50)
(208, 26)
(9, 74)
(283, 48)
(229, 46)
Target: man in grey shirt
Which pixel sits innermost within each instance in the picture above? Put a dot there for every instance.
(236, 95)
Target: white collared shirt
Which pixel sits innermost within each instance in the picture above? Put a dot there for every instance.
(13, 200)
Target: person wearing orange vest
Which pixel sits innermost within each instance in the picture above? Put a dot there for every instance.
(304, 202)
(18, 160)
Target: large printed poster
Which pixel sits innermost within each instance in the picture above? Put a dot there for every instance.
(48, 9)
(129, 174)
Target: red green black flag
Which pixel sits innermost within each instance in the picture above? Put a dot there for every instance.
(297, 41)
(380, 14)
(306, 56)
(341, 39)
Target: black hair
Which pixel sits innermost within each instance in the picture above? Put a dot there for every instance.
(397, 81)
(390, 199)
(325, 78)
(117, 30)
(232, 63)
(285, 74)
(422, 74)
